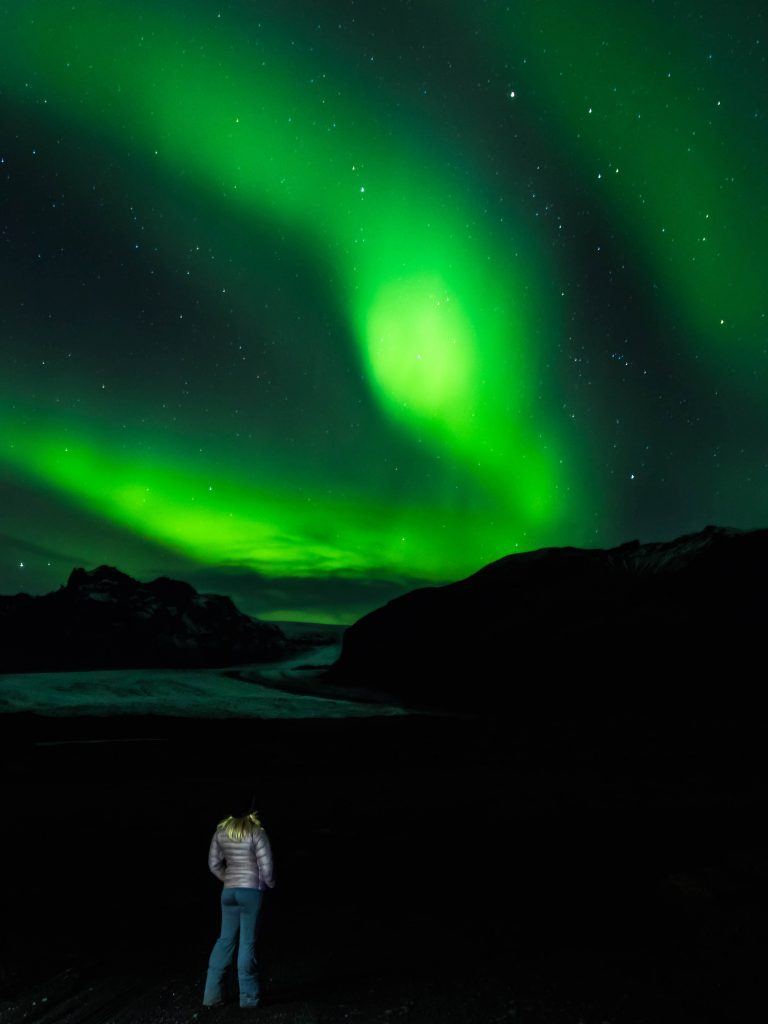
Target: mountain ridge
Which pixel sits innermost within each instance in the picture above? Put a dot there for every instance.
(104, 618)
(681, 606)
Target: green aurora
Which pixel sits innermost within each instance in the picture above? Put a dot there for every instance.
(290, 320)
(674, 141)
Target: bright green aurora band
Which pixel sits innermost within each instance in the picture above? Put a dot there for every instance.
(310, 215)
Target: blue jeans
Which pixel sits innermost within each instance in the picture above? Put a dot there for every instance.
(239, 913)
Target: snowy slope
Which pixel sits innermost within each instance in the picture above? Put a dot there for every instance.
(206, 693)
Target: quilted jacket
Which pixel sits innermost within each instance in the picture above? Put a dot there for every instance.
(245, 863)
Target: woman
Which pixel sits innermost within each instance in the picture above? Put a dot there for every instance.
(241, 857)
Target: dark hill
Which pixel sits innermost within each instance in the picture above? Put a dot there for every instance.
(104, 618)
(559, 620)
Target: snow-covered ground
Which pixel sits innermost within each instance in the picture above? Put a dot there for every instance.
(189, 693)
(205, 693)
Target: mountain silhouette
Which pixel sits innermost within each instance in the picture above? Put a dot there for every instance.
(104, 618)
(560, 620)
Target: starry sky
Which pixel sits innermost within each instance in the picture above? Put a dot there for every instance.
(313, 302)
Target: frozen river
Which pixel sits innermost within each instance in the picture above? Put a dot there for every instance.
(189, 693)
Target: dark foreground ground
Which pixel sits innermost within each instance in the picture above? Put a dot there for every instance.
(429, 869)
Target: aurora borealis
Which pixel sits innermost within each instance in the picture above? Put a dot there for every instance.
(310, 303)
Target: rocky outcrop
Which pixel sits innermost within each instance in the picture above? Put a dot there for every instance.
(561, 619)
(103, 618)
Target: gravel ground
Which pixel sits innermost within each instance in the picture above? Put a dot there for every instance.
(429, 870)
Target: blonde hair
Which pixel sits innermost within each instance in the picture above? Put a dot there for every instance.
(241, 826)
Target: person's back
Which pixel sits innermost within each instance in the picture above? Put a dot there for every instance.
(245, 862)
(240, 856)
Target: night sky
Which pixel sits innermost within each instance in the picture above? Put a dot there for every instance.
(309, 303)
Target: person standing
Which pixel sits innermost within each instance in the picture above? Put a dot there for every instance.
(240, 856)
